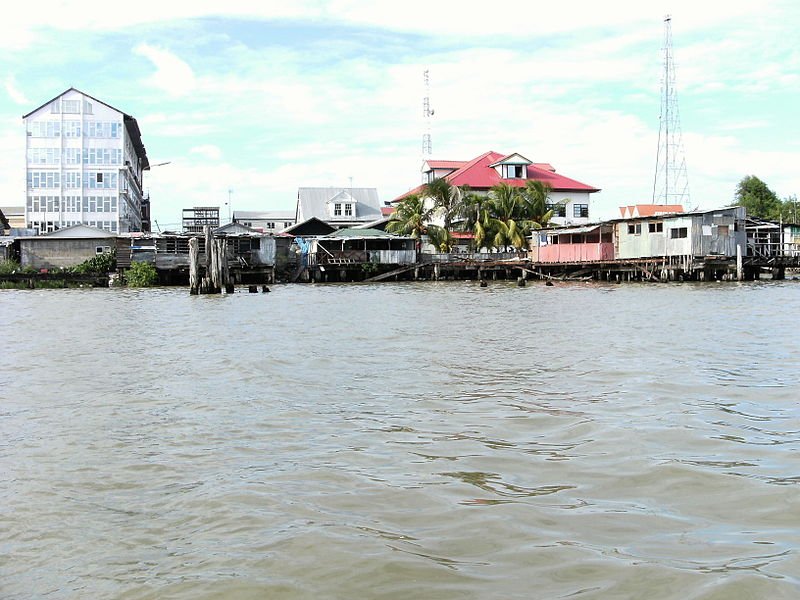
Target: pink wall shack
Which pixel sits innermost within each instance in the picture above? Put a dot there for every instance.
(569, 253)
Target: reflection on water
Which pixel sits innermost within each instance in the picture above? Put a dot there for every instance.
(431, 440)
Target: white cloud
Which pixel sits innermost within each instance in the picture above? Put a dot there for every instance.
(14, 92)
(172, 75)
(209, 151)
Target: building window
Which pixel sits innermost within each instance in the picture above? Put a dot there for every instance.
(271, 225)
(44, 179)
(72, 107)
(723, 230)
(348, 210)
(559, 210)
(514, 171)
(46, 129)
(287, 224)
(655, 227)
(678, 232)
(337, 210)
(72, 129)
(634, 228)
(580, 210)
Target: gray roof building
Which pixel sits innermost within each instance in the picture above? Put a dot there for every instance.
(272, 221)
(339, 207)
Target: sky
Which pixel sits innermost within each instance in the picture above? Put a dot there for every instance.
(248, 101)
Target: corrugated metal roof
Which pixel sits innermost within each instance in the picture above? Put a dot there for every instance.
(313, 202)
(265, 215)
(352, 232)
(563, 230)
(479, 175)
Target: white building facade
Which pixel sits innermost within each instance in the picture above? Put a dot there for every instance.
(84, 164)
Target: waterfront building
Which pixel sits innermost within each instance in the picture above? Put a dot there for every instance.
(717, 232)
(194, 220)
(338, 207)
(269, 221)
(697, 234)
(12, 217)
(65, 247)
(84, 164)
(579, 243)
(570, 199)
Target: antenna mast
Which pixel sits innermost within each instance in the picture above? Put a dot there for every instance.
(427, 146)
(671, 183)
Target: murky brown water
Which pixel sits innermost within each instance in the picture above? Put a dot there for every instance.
(402, 441)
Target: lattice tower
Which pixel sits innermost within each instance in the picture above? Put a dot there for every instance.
(671, 183)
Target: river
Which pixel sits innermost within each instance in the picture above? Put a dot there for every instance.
(402, 440)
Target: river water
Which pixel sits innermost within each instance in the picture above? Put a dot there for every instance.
(410, 440)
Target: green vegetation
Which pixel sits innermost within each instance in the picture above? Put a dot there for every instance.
(7, 267)
(97, 265)
(763, 203)
(500, 220)
(141, 274)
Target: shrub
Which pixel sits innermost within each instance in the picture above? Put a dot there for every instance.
(9, 266)
(141, 274)
(100, 264)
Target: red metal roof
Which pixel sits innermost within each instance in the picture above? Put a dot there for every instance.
(650, 210)
(445, 164)
(387, 210)
(479, 176)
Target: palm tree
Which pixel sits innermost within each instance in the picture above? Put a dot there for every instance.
(473, 214)
(440, 238)
(507, 223)
(409, 218)
(447, 199)
(534, 197)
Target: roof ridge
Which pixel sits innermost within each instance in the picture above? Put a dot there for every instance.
(470, 164)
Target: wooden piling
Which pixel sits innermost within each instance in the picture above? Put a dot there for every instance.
(194, 266)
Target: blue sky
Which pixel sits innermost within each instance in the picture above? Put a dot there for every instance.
(263, 98)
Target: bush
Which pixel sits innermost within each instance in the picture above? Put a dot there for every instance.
(100, 264)
(141, 274)
(9, 266)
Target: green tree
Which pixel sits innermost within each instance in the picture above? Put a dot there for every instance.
(440, 238)
(141, 274)
(472, 215)
(506, 226)
(98, 265)
(447, 200)
(760, 201)
(534, 199)
(410, 218)
(790, 210)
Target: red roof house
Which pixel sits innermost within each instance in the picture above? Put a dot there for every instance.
(491, 168)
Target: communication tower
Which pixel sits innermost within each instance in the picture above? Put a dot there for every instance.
(671, 183)
(427, 112)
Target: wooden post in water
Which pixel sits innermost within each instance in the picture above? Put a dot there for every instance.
(739, 268)
(194, 266)
(215, 282)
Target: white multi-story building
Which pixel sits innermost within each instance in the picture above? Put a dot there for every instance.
(85, 161)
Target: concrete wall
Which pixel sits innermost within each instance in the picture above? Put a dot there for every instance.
(53, 253)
